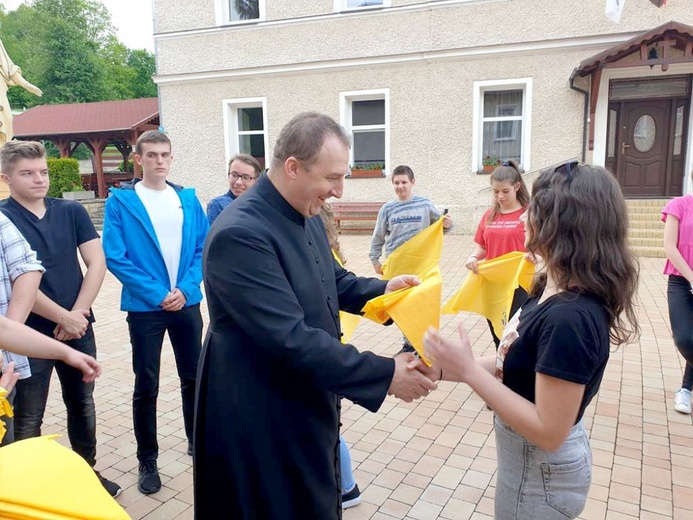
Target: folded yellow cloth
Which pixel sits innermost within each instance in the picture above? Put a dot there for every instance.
(490, 293)
(418, 254)
(413, 309)
(42, 480)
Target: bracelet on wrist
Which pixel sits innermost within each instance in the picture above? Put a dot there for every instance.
(473, 256)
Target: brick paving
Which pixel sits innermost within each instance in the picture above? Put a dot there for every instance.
(434, 458)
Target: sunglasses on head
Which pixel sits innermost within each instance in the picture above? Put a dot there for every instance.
(567, 169)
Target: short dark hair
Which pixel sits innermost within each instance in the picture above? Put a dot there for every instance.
(303, 137)
(403, 169)
(14, 151)
(247, 159)
(151, 136)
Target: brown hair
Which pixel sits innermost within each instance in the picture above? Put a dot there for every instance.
(14, 151)
(403, 169)
(331, 229)
(303, 137)
(508, 171)
(151, 136)
(578, 222)
(247, 159)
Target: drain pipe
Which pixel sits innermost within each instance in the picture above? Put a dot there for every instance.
(585, 113)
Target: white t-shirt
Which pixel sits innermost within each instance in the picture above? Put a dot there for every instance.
(166, 213)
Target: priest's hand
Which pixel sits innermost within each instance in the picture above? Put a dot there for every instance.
(401, 282)
(8, 377)
(409, 384)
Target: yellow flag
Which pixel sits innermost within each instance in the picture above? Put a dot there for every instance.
(490, 293)
(348, 321)
(42, 480)
(413, 309)
(418, 254)
(5, 409)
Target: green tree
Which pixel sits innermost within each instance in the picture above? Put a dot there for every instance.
(144, 65)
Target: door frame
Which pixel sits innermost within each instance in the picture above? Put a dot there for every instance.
(602, 112)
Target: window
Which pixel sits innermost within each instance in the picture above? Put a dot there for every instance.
(366, 117)
(502, 121)
(239, 11)
(349, 5)
(246, 128)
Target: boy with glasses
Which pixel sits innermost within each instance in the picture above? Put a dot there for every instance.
(244, 170)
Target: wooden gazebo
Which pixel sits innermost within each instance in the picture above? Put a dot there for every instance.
(97, 125)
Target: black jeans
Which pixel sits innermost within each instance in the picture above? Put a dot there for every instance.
(681, 318)
(78, 396)
(519, 298)
(147, 330)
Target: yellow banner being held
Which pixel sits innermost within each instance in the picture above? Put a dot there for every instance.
(418, 254)
(42, 480)
(490, 293)
(413, 309)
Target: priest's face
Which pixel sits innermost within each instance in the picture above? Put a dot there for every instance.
(323, 179)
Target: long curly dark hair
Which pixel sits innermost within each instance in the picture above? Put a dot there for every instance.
(578, 222)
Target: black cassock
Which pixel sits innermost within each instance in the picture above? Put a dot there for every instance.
(273, 369)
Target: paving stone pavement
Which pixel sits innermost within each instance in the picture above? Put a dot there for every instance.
(434, 458)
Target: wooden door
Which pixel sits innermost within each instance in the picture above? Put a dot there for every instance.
(642, 148)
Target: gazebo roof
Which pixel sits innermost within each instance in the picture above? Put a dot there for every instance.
(85, 118)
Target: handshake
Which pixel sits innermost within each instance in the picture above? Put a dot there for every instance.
(412, 378)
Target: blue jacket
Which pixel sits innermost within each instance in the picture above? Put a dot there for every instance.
(133, 254)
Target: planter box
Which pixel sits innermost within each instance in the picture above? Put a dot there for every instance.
(366, 174)
(79, 195)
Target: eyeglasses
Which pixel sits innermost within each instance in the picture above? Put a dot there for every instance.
(567, 169)
(245, 178)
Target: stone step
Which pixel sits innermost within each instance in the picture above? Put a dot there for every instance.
(658, 203)
(645, 242)
(649, 252)
(646, 233)
(644, 216)
(646, 224)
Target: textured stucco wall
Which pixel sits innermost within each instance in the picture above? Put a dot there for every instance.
(384, 32)
(431, 113)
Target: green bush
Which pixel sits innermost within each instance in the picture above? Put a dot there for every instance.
(121, 166)
(64, 176)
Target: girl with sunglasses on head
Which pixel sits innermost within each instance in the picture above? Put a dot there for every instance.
(501, 231)
(678, 246)
(555, 349)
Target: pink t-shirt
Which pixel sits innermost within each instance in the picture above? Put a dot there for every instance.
(505, 234)
(682, 209)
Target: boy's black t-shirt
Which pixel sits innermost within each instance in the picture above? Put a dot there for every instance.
(55, 238)
(566, 337)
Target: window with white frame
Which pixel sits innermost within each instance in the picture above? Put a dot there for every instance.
(348, 5)
(239, 11)
(365, 115)
(502, 121)
(246, 128)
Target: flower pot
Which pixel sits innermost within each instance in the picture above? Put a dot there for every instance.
(366, 174)
(488, 168)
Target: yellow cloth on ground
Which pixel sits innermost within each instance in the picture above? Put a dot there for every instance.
(5, 409)
(348, 321)
(42, 480)
(490, 293)
(413, 309)
(418, 254)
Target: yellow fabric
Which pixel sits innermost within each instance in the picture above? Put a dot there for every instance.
(42, 480)
(5, 409)
(348, 321)
(413, 309)
(418, 254)
(490, 293)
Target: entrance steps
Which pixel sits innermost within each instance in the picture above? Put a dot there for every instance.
(646, 232)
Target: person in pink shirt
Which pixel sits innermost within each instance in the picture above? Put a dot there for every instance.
(678, 246)
(501, 231)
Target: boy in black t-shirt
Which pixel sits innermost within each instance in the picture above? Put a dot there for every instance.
(56, 229)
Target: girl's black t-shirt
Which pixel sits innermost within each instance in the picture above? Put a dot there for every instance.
(566, 336)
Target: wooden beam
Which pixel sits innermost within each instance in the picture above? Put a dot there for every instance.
(97, 146)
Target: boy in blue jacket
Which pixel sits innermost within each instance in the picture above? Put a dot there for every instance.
(153, 236)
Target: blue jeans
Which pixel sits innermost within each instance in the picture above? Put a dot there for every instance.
(345, 466)
(681, 318)
(532, 483)
(147, 331)
(78, 396)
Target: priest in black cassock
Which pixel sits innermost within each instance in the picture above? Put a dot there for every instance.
(273, 370)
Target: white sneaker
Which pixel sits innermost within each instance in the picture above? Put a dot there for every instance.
(682, 401)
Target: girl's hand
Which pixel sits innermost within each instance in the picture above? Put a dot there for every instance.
(8, 378)
(472, 264)
(455, 358)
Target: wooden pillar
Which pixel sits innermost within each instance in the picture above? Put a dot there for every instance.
(132, 141)
(124, 149)
(97, 146)
(63, 146)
